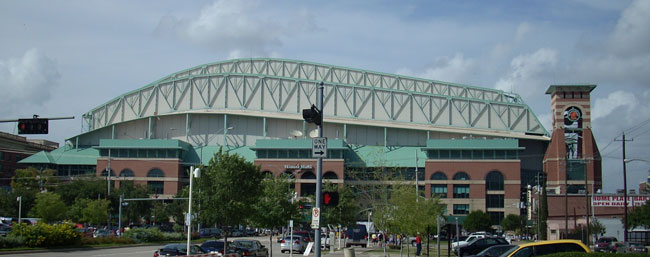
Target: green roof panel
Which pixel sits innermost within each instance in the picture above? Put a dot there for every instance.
(473, 144)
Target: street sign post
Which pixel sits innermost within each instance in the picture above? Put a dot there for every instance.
(319, 147)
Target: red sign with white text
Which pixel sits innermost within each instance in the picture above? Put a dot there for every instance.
(617, 201)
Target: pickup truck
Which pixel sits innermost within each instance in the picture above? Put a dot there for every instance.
(459, 244)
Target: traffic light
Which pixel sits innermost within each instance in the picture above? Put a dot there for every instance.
(312, 115)
(33, 126)
(330, 198)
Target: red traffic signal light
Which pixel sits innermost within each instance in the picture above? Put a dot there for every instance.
(33, 126)
(330, 198)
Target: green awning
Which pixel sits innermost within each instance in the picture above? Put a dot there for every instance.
(262, 144)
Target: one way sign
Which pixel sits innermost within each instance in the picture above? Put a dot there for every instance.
(319, 147)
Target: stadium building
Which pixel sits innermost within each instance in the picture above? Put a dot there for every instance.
(476, 148)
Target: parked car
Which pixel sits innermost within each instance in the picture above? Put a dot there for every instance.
(214, 246)
(210, 232)
(357, 235)
(237, 233)
(479, 245)
(604, 244)
(102, 233)
(306, 234)
(251, 248)
(296, 243)
(494, 251)
(546, 247)
(637, 248)
(177, 249)
(4, 230)
(469, 239)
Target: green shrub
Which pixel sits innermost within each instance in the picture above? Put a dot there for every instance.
(45, 235)
(11, 241)
(107, 240)
(174, 236)
(141, 235)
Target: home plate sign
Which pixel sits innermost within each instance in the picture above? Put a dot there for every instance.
(319, 147)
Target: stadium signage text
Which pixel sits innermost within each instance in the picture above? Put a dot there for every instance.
(617, 201)
(297, 166)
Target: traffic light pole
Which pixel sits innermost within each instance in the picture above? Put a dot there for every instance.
(319, 171)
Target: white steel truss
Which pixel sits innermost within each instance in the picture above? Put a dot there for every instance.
(287, 87)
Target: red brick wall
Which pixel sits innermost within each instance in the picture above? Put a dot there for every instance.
(140, 167)
(477, 171)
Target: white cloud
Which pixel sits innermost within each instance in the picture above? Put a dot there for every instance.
(29, 80)
(456, 69)
(605, 106)
(522, 30)
(239, 28)
(529, 73)
(631, 37)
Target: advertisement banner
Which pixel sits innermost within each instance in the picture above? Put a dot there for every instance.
(617, 201)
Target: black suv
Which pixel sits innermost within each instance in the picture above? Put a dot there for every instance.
(480, 244)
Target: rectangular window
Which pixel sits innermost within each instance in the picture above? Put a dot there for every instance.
(439, 190)
(156, 187)
(454, 154)
(461, 209)
(467, 155)
(2, 156)
(461, 191)
(444, 154)
(494, 201)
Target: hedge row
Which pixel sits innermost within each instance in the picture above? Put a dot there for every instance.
(46, 235)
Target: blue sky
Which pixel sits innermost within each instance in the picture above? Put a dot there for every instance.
(63, 58)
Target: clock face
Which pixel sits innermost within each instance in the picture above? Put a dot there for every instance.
(573, 114)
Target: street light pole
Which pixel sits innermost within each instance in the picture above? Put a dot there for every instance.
(188, 216)
(20, 208)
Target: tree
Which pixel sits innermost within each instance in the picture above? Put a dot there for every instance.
(407, 213)
(84, 187)
(96, 212)
(228, 190)
(134, 211)
(596, 228)
(27, 183)
(8, 203)
(75, 212)
(275, 207)
(639, 217)
(477, 221)
(160, 214)
(49, 207)
(511, 222)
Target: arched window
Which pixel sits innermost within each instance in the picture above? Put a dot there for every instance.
(126, 173)
(439, 176)
(308, 175)
(494, 181)
(330, 175)
(104, 173)
(461, 176)
(156, 173)
(289, 174)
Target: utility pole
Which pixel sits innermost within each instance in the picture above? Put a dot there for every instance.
(319, 170)
(624, 191)
(108, 187)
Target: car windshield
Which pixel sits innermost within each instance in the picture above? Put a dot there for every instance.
(294, 238)
(506, 253)
(471, 240)
(244, 244)
(212, 245)
(604, 240)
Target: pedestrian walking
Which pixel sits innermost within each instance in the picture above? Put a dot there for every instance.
(418, 243)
